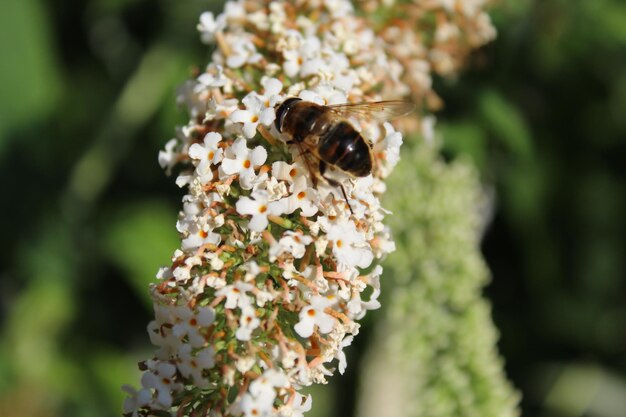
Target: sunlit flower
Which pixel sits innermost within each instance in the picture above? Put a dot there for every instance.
(256, 112)
(349, 245)
(161, 380)
(207, 155)
(189, 324)
(243, 52)
(293, 243)
(238, 159)
(209, 25)
(236, 294)
(247, 323)
(259, 207)
(297, 407)
(193, 365)
(314, 315)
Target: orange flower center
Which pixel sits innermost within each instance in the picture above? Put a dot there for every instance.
(247, 163)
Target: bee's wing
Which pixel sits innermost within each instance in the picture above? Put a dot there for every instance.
(379, 111)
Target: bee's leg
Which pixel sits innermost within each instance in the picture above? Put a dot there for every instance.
(313, 178)
(322, 169)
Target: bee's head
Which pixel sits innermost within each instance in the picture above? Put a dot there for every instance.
(282, 109)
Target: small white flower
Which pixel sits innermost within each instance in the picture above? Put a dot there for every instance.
(291, 242)
(341, 355)
(265, 385)
(168, 157)
(245, 363)
(212, 77)
(304, 55)
(297, 407)
(349, 245)
(243, 52)
(197, 236)
(271, 92)
(209, 25)
(221, 109)
(251, 406)
(136, 399)
(247, 323)
(314, 315)
(161, 336)
(161, 379)
(256, 112)
(374, 282)
(189, 323)
(302, 197)
(287, 172)
(208, 154)
(390, 145)
(259, 207)
(192, 365)
(236, 295)
(323, 94)
(238, 159)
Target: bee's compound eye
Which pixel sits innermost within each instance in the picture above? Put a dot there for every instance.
(282, 111)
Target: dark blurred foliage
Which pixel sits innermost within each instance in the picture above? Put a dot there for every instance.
(87, 100)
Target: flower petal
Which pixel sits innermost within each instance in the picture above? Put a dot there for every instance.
(258, 223)
(272, 86)
(304, 327)
(259, 155)
(241, 116)
(246, 205)
(249, 129)
(197, 151)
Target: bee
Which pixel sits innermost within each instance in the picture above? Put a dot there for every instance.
(326, 138)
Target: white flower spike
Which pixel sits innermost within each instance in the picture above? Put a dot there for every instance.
(267, 286)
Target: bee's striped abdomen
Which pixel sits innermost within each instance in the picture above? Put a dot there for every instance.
(342, 145)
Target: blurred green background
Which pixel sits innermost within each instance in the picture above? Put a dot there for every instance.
(87, 100)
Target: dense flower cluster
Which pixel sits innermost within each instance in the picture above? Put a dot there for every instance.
(429, 36)
(273, 272)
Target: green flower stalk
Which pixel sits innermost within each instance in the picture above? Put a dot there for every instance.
(437, 342)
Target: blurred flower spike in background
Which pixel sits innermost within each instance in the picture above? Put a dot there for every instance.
(272, 272)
